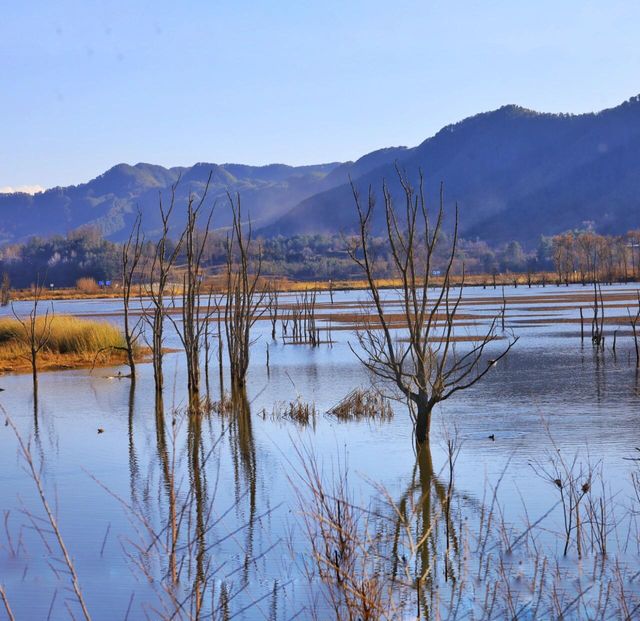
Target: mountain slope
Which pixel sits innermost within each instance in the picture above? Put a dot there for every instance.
(110, 201)
(514, 173)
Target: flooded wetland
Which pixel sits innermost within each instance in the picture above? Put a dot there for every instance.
(320, 311)
(282, 507)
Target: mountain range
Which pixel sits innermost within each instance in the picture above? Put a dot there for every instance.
(514, 174)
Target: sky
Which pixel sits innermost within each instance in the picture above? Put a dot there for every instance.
(85, 84)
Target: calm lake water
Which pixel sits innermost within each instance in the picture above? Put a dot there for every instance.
(551, 393)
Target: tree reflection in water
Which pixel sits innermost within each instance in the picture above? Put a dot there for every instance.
(382, 560)
(181, 546)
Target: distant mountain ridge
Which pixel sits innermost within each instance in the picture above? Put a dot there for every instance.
(514, 173)
(111, 200)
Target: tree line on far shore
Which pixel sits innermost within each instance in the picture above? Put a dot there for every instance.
(84, 257)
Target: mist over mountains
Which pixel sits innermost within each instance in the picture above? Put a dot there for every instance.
(110, 201)
(515, 174)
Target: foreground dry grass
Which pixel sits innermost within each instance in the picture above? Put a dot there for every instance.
(72, 343)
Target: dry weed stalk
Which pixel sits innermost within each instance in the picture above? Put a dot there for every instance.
(174, 553)
(633, 320)
(338, 533)
(225, 405)
(177, 555)
(6, 604)
(588, 515)
(34, 473)
(412, 558)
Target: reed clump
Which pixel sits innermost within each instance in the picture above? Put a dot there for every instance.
(361, 403)
(70, 342)
(296, 411)
(225, 405)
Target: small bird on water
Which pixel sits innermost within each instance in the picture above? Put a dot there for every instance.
(492, 437)
(100, 430)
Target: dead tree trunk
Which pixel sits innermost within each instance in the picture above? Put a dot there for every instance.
(634, 331)
(34, 335)
(158, 275)
(424, 407)
(272, 303)
(244, 305)
(191, 329)
(131, 253)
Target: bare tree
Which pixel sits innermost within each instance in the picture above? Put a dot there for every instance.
(162, 264)
(192, 328)
(131, 254)
(244, 304)
(272, 304)
(213, 308)
(52, 527)
(422, 362)
(35, 334)
(220, 351)
(303, 319)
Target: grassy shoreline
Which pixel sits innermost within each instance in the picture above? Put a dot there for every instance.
(70, 343)
(285, 285)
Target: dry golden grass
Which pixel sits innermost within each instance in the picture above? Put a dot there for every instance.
(65, 294)
(471, 280)
(285, 284)
(72, 342)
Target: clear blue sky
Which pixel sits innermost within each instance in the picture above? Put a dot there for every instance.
(87, 84)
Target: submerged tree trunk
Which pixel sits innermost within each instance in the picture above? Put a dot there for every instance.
(158, 375)
(130, 341)
(424, 407)
(34, 375)
(131, 255)
(220, 351)
(245, 296)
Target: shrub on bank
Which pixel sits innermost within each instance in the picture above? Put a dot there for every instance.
(87, 285)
